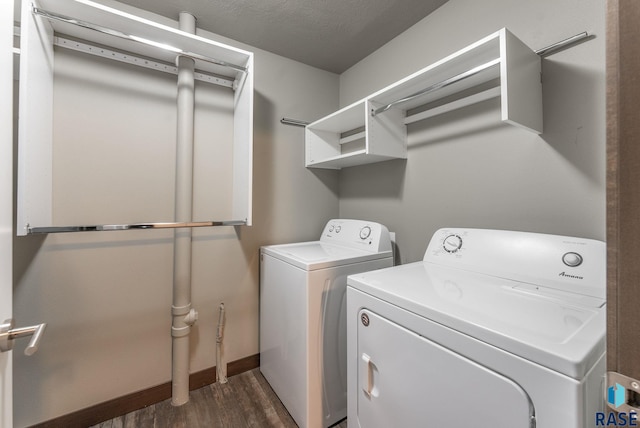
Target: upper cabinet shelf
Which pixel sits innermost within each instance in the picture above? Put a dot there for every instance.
(126, 36)
(499, 65)
(97, 23)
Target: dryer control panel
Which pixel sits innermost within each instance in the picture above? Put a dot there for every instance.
(564, 263)
(366, 235)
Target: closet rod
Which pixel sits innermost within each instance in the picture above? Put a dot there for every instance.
(112, 227)
(142, 40)
(439, 85)
(563, 44)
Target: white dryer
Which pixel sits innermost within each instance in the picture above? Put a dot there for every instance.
(303, 349)
(493, 329)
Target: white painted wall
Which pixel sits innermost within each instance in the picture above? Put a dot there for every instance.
(463, 168)
(107, 296)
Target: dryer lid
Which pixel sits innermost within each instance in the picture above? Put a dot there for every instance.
(563, 331)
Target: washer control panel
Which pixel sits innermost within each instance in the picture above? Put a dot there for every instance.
(362, 234)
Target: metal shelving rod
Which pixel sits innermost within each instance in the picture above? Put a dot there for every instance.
(142, 40)
(128, 58)
(293, 122)
(439, 85)
(133, 226)
(543, 52)
(564, 44)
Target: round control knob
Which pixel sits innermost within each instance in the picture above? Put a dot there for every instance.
(331, 228)
(452, 243)
(365, 232)
(572, 259)
(338, 229)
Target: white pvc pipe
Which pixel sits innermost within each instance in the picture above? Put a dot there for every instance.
(183, 315)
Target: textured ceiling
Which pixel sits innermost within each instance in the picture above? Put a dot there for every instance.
(328, 34)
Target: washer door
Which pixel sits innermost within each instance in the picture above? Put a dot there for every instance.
(406, 380)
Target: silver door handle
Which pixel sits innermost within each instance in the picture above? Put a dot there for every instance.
(8, 334)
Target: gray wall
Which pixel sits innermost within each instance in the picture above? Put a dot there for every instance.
(464, 168)
(107, 296)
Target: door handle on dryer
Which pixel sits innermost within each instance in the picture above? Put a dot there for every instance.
(368, 386)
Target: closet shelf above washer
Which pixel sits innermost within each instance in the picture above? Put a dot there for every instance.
(499, 65)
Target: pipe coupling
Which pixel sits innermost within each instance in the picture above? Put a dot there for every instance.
(180, 331)
(180, 310)
(191, 318)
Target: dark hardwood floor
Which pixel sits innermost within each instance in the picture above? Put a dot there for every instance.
(246, 400)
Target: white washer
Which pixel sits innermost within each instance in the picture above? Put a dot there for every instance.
(303, 351)
(492, 329)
